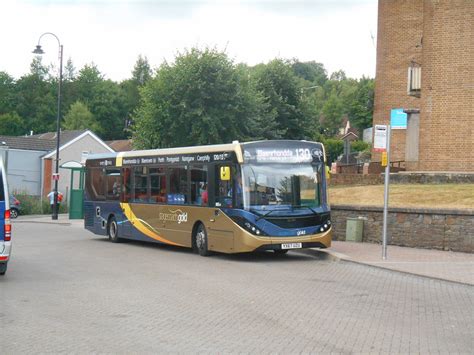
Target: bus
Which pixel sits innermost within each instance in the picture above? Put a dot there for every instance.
(5, 223)
(227, 198)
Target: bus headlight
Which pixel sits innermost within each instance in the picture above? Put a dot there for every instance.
(250, 227)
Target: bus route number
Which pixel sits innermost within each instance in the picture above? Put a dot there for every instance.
(303, 154)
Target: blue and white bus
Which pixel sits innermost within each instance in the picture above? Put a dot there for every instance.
(5, 225)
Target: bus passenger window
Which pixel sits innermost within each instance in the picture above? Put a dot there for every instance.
(114, 187)
(157, 185)
(178, 194)
(140, 184)
(126, 184)
(199, 185)
(96, 186)
(223, 191)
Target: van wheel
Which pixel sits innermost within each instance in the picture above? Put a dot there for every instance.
(112, 230)
(13, 213)
(3, 268)
(200, 240)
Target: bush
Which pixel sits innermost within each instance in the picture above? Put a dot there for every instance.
(33, 205)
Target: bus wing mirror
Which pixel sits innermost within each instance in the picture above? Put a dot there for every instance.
(225, 173)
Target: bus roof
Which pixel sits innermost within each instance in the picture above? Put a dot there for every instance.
(235, 147)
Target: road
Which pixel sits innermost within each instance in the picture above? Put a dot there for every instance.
(67, 290)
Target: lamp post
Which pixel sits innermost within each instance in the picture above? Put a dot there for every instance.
(39, 50)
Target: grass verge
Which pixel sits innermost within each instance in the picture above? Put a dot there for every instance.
(446, 196)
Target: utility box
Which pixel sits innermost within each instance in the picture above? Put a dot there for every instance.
(354, 229)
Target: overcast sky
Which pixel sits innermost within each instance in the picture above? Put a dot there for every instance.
(112, 33)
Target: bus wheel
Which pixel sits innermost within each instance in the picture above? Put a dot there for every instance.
(280, 251)
(112, 230)
(200, 240)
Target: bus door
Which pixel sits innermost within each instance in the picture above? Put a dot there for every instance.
(220, 226)
(126, 196)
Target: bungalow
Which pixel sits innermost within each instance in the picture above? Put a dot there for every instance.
(31, 159)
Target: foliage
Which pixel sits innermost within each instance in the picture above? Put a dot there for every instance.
(31, 205)
(201, 97)
(11, 124)
(79, 117)
(279, 86)
(359, 146)
(334, 148)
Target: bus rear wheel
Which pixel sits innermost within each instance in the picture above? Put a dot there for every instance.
(112, 230)
(200, 240)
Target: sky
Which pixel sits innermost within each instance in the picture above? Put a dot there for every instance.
(341, 34)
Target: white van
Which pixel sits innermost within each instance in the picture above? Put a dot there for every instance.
(5, 223)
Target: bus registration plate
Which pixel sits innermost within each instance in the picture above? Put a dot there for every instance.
(291, 246)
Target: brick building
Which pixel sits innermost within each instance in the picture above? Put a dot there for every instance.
(425, 65)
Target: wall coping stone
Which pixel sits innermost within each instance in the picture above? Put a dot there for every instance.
(439, 211)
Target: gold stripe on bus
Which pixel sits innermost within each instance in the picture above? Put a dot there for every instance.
(142, 226)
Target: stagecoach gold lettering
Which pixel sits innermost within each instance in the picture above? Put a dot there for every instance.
(175, 216)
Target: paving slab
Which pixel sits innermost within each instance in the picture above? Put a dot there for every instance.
(438, 264)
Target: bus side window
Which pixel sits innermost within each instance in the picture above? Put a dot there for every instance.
(157, 185)
(178, 194)
(223, 189)
(199, 191)
(126, 184)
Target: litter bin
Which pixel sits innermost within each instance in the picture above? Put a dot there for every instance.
(354, 229)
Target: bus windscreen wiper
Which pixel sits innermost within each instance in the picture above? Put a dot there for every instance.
(303, 206)
(264, 215)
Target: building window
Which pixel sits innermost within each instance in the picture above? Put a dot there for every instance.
(414, 80)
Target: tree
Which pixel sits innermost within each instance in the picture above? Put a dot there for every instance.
(36, 99)
(361, 104)
(279, 86)
(332, 113)
(141, 71)
(11, 124)
(199, 99)
(7, 93)
(79, 117)
(313, 72)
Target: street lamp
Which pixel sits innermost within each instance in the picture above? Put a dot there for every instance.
(39, 50)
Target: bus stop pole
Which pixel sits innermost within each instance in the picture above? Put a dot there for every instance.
(386, 191)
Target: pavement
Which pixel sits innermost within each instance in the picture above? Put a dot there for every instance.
(435, 264)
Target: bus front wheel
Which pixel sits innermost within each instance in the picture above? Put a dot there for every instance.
(112, 230)
(200, 240)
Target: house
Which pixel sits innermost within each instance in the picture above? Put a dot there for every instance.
(31, 159)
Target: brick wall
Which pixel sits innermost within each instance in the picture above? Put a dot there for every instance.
(400, 29)
(420, 228)
(446, 137)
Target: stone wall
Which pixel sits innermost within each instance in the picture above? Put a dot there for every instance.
(421, 228)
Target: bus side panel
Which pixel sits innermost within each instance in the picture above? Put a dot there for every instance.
(96, 217)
